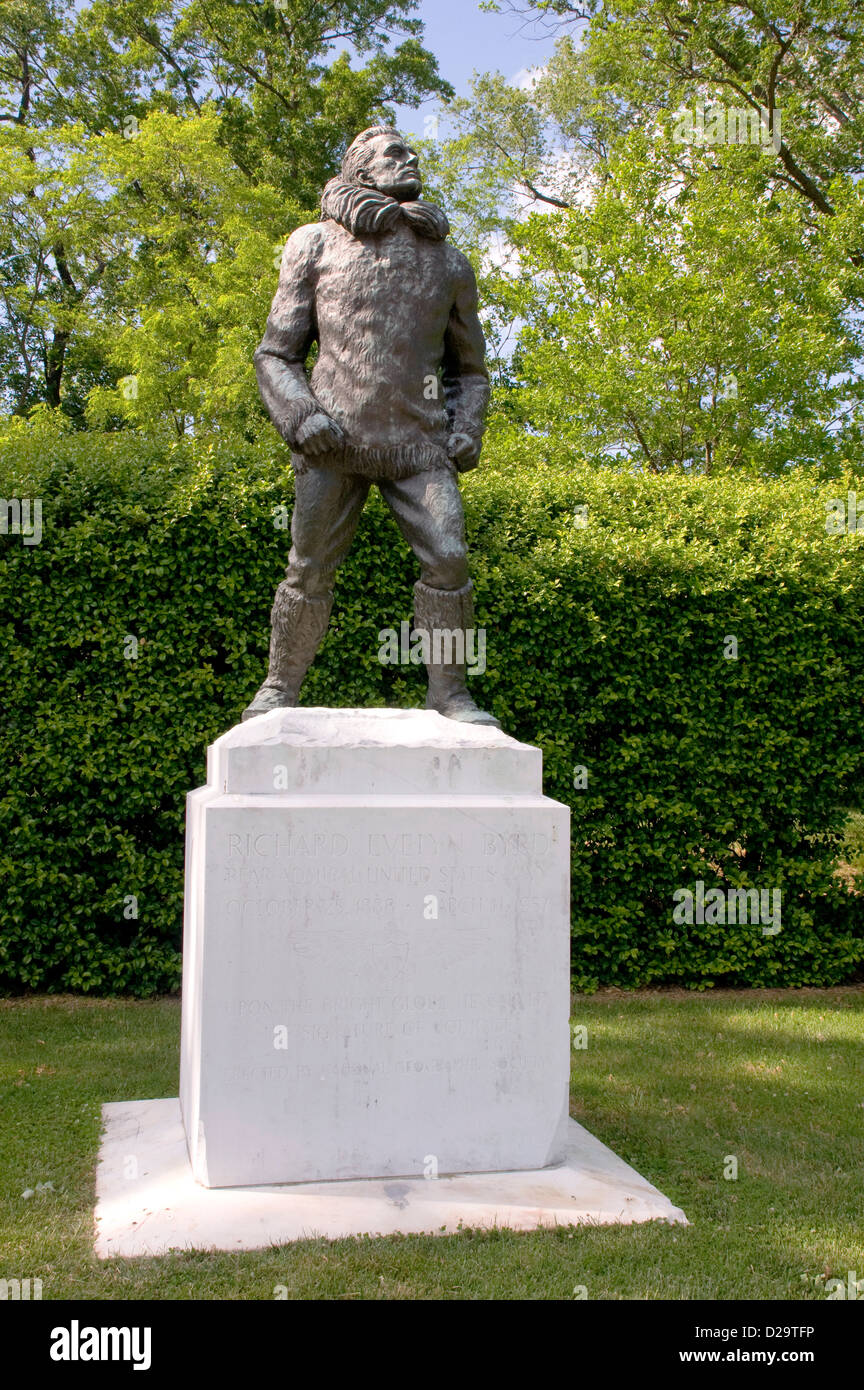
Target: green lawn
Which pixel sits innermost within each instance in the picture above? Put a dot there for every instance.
(674, 1083)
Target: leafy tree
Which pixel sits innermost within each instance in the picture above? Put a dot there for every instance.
(255, 107)
(684, 333)
(681, 302)
(266, 66)
(200, 256)
(801, 58)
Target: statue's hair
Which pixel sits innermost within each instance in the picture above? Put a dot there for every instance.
(358, 154)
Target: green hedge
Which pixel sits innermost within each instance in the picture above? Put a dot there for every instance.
(605, 646)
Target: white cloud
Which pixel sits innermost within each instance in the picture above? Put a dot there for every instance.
(526, 78)
(499, 254)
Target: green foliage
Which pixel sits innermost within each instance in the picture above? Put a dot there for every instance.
(151, 154)
(605, 646)
(692, 296)
(799, 57)
(687, 333)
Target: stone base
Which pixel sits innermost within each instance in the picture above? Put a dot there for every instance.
(376, 952)
(163, 1208)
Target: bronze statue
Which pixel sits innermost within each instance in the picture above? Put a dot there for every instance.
(393, 309)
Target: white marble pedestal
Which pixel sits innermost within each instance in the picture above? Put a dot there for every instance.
(148, 1203)
(376, 953)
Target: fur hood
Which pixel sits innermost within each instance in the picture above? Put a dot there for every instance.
(365, 211)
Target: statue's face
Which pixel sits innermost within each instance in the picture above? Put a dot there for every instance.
(393, 168)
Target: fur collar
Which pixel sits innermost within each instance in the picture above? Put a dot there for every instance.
(364, 211)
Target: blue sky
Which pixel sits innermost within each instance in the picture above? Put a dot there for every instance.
(466, 39)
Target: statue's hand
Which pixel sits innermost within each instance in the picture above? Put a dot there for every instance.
(464, 449)
(319, 435)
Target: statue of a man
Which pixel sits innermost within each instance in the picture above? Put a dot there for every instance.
(393, 309)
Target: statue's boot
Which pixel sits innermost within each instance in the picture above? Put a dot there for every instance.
(448, 611)
(297, 627)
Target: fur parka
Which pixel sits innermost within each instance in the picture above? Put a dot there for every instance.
(393, 308)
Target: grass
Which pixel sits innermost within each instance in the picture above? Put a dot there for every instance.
(675, 1083)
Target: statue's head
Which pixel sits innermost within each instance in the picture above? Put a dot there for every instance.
(380, 158)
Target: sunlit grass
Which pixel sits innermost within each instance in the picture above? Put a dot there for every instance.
(677, 1084)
